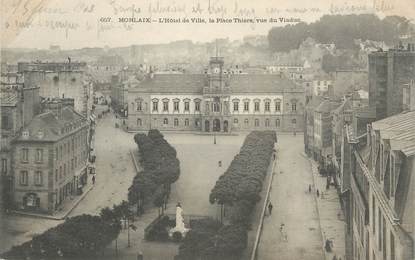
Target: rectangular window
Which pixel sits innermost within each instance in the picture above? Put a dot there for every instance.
(139, 106)
(246, 106)
(278, 106)
(5, 122)
(373, 215)
(392, 242)
(155, 106)
(197, 106)
(294, 106)
(38, 178)
(380, 230)
(235, 106)
(186, 106)
(56, 153)
(4, 166)
(25, 155)
(235, 121)
(72, 166)
(73, 145)
(176, 106)
(216, 107)
(56, 175)
(165, 106)
(39, 155)
(256, 106)
(392, 176)
(23, 180)
(277, 123)
(267, 106)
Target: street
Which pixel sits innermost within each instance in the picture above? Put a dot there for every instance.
(293, 207)
(115, 172)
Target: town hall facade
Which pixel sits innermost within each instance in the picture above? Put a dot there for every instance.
(216, 101)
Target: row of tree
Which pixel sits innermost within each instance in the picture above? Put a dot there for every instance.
(79, 236)
(238, 189)
(160, 168)
(341, 30)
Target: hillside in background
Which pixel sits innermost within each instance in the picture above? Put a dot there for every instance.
(341, 30)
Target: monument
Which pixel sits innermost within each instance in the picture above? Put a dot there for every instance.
(179, 222)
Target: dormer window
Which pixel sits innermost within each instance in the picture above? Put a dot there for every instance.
(40, 134)
(25, 134)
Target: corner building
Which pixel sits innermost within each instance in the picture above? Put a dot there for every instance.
(216, 101)
(50, 160)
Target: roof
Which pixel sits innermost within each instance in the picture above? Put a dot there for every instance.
(400, 130)
(50, 126)
(194, 83)
(8, 98)
(327, 106)
(345, 105)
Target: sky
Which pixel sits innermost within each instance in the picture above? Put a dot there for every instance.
(75, 24)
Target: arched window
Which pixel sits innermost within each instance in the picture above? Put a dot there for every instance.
(277, 123)
(176, 122)
(186, 122)
(235, 121)
(165, 121)
(294, 121)
(256, 122)
(267, 122)
(246, 122)
(138, 121)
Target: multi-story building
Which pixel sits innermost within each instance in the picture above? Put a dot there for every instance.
(19, 105)
(50, 159)
(323, 129)
(61, 80)
(216, 102)
(381, 213)
(389, 72)
(312, 104)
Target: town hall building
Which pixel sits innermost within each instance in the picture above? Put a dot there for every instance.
(215, 101)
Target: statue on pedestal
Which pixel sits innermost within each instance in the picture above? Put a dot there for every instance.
(179, 222)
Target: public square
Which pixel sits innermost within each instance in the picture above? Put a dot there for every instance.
(199, 157)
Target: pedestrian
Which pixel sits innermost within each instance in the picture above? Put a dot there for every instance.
(327, 246)
(93, 179)
(334, 257)
(270, 208)
(309, 188)
(318, 193)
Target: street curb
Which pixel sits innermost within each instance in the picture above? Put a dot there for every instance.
(134, 161)
(36, 215)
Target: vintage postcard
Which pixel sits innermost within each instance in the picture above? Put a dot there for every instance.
(207, 129)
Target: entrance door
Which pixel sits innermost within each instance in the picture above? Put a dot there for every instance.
(216, 125)
(225, 126)
(207, 126)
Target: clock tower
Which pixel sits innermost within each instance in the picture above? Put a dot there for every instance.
(216, 95)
